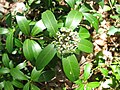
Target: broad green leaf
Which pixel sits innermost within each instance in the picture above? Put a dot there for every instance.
(50, 22)
(73, 19)
(35, 74)
(18, 43)
(27, 86)
(45, 56)
(31, 49)
(87, 69)
(17, 74)
(34, 87)
(8, 85)
(85, 46)
(71, 3)
(83, 33)
(9, 42)
(17, 84)
(93, 84)
(23, 24)
(93, 20)
(46, 76)
(36, 49)
(113, 30)
(39, 27)
(4, 31)
(4, 70)
(104, 71)
(21, 65)
(5, 59)
(11, 65)
(27, 50)
(71, 67)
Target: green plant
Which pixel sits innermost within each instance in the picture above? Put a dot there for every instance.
(35, 44)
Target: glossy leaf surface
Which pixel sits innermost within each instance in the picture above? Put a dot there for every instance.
(71, 3)
(17, 74)
(93, 20)
(87, 69)
(85, 46)
(71, 67)
(23, 24)
(17, 84)
(45, 56)
(5, 59)
(83, 33)
(73, 19)
(93, 84)
(39, 27)
(50, 22)
(9, 43)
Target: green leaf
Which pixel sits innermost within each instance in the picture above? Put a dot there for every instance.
(50, 22)
(4, 31)
(88, 88)
(36, 49)
(34, 87)
(35, 74)
(39, 27)
(113, 30)
(17, 74)
(93, 84)
(73, 19)
(9, 42)
(46, 76)
(85, 46)
(4, 70)
(87, 69)
(23, 24)
(104, 71)
(71, 67)
(27, 50)
(27, 86)
(21, 65)
(71, 3)
(45, 56)
(17, 84)
(9, 19)
(83, 33)
(31, 49)
(8, 85)
(93, 20)
(5, 59)
(85, 8)
(18, 43)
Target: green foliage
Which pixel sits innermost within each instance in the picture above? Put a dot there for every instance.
(33, 43)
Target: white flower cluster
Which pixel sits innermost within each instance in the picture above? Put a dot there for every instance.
(66, 41)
